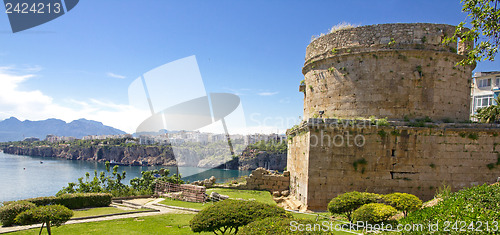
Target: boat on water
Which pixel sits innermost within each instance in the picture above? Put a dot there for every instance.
(41, 162)
(113, 163)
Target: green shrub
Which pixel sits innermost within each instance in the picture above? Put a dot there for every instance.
(282, 226)
(9, 212)
(374, 213)
(74, 201)
(49, 215)
(468, 206)
(404, 202)
(229, 215)
(348, 202)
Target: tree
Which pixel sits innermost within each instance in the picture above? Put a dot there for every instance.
(9, 212)
(404, 202)
(229, 215)
(348, 202)
(374, 213)
(490, 114)
(49, 215)
(483, 37)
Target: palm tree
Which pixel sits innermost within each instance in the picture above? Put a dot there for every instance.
(490, 114)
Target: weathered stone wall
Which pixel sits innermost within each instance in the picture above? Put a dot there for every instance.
(389, 70)
(262, 179)
(329, 159)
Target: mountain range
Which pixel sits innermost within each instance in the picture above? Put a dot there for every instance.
(12, 129)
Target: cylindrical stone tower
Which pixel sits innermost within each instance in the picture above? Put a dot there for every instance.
(396, 71)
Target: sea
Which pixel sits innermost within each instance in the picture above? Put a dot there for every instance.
(24, 177)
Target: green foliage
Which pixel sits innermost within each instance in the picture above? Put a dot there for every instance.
(146, 184)
(348, 202)
(303, 82)
(358, 162)
(277, 225)
(49, 215)
(382, 122)
(74, 201)
(334, 51)
(100, 183)
(9, 212)
(374, 213)
(473, 136)
(229, 215)
(392, 42)
(480, 203)
(382, 133)
(404, 202)
(484, 35)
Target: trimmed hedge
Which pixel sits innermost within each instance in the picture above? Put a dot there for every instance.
(73, 201)
(284, 226)
(53, 214)
(350, 201)
(374, 213)
(404, 202)
(229, 215)
(9, 212)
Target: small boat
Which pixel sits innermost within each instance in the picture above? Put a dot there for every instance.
(41, 162)
(113, 163)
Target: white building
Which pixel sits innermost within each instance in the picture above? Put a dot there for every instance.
(485, 88)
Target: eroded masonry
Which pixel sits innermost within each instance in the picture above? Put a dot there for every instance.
(401, 72)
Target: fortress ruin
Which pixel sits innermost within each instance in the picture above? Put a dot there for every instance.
(401, 72)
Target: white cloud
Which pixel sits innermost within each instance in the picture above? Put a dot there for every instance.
(35, 105)
(114, 75)
(267, 93)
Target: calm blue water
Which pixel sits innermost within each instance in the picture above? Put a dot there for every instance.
(25, 177)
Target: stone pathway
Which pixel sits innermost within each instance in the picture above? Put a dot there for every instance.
(145, 203)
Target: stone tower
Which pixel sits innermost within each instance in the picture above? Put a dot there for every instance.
(398, 71)
(402, 72)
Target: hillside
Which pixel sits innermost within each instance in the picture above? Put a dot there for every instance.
(12, 129)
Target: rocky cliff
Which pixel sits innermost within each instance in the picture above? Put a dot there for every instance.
(143, 155)
(250, 159)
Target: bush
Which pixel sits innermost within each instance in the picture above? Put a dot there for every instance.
(404, 202)
(229, 215)
(348, 202)
(74, 201)
(374, 213)
(283, 226)
(471, 206)
(49, 215)
(9, 212)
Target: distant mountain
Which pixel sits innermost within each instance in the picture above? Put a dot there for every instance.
(12, 129)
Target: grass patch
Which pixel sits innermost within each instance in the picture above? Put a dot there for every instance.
(100, 211)
(159, 224)
(193, 205)
(260, 196)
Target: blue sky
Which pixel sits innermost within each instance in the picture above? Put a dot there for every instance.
(81, 64)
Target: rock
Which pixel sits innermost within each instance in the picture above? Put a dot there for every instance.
(285, 193)
(214, 196)
(276, 194)
(212, 179)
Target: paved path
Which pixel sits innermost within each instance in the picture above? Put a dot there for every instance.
(146, 203)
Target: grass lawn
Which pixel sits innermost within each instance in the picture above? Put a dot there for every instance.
(100, 211)
(160, 224)
(260, 196)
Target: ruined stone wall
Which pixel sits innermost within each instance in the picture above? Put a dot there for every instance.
(386, 159)
(262, 179)
(389, 70)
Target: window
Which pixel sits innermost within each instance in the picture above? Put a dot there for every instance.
(484, 82)
(497, 82)
(483, 101)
